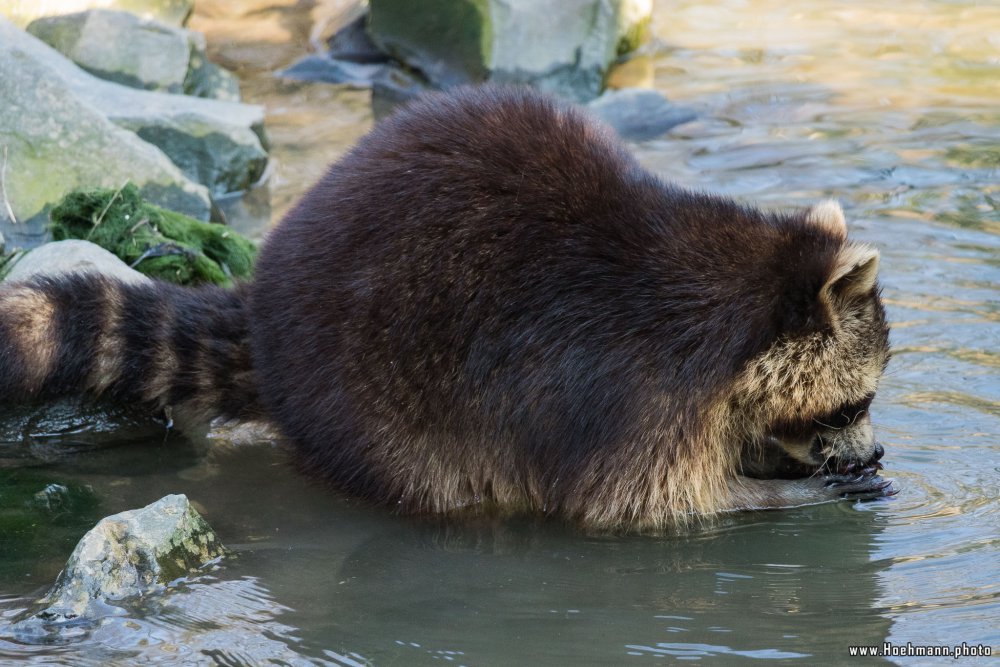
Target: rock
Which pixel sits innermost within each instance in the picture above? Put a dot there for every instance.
(172, 12)
(352, 58)
(72, 256)
(52, 498)
(352, 43)
(140, 53)
(206, 79)
(562, 46)
(392, 87)
(55, 140)
(324, 69)
(127, 555)
(120, 47)
(639, 114)
(58, 429)
(222, 156)
(40, 514)
(218, 143)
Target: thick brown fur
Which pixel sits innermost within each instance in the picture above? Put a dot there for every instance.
(489, 303)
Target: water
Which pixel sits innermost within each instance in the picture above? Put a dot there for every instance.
(892, 109)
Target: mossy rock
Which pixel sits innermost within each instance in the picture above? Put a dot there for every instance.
(159, 243)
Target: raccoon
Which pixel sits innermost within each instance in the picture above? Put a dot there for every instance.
(489, 305)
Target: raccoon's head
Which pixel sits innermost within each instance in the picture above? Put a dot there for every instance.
(809, 392)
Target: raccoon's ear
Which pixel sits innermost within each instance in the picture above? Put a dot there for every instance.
(854, 273)
(828, 215)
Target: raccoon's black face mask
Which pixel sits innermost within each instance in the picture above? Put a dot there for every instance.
(841, 442)
(810, 392)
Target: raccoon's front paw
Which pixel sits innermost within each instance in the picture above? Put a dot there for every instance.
(750, 493)
(858, 487)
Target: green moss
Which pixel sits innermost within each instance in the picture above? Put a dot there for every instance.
(199, 545)
(159, 243)
(634, 36)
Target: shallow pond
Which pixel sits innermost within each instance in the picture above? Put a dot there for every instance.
(891, 107)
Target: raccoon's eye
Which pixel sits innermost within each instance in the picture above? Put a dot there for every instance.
(847, 413)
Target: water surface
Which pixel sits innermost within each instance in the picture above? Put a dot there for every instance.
(890, 107)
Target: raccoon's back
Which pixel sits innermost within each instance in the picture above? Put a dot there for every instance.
(455, 298)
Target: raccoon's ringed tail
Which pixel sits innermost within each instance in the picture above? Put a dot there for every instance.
(147, 342)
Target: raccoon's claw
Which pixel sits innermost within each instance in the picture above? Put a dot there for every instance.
(860, 487)
(864, 469)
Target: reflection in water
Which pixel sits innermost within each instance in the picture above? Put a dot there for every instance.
(891, 107)
(535, 593)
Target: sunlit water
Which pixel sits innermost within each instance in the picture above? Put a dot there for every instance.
(893, 108)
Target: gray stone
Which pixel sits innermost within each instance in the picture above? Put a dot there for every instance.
(562, 46)
(172, 12)
(352, 43)
(141, 53)
(639, 114)
(72, 256)
(127, 555)
(55, 141)
(57, 429)
(215, 142)
(120, 47)
(392, 87)
(224, 157)
(324, 69)
(206, 79)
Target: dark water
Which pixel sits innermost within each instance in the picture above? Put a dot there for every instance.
(891, 107)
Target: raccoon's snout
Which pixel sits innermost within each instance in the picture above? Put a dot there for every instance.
(869, 466)
(853, 447)
(846, 449)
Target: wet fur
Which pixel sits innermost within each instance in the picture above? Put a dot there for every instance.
(489, 303)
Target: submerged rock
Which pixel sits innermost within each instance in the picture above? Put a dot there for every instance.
(639, 114)
(564, 47)
(127, 555)
(55, 430)
(39, 515)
